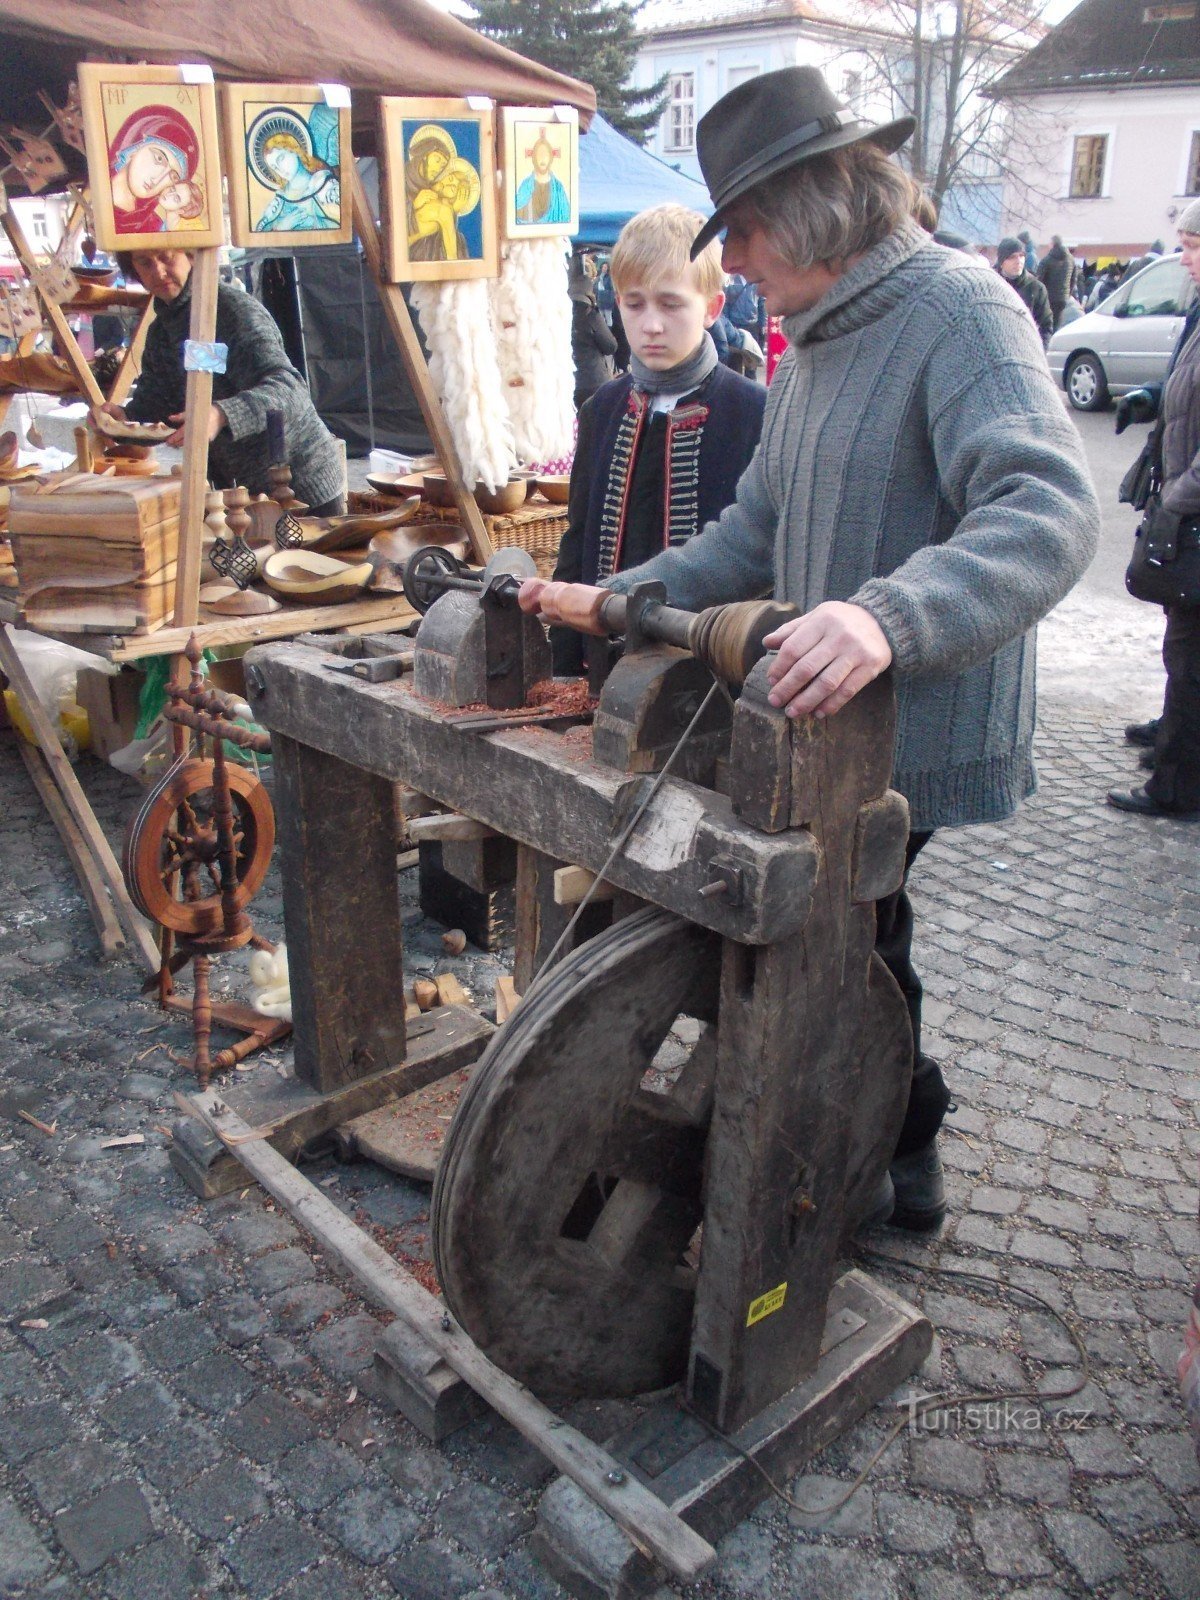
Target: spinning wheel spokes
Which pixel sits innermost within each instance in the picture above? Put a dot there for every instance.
(172, 842)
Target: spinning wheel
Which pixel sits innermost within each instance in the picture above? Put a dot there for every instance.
(171, 858)
(570, 1194)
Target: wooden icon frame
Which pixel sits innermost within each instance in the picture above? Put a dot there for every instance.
(246, 184)
(195, 103)
(559, 121)
(399, 119)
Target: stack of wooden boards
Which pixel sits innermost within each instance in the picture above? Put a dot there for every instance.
(95, 555)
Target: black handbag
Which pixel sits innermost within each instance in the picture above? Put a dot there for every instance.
(1165, 565)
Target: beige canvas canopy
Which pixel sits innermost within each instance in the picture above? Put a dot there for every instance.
(373, 46)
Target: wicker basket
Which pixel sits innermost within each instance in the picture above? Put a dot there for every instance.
(537, 527)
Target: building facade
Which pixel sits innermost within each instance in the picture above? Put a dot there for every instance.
(1112, 100)
(855, 45)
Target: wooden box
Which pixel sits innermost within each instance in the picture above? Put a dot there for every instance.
(96, 555)
(111, 702)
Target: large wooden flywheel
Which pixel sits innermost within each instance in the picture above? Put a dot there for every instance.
(568, 1205)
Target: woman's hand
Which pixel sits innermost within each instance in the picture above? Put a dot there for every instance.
(825, 658)
(111, 409)
(216, 421)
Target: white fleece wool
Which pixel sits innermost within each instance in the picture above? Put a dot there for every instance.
(532, 315)
(457, 323)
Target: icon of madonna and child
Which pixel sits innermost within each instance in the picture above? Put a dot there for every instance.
(154, 161)
(442, 193)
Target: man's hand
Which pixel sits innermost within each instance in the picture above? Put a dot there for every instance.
(216, 421)
(825, 658)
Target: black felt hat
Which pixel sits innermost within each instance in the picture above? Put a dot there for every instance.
(770, 123)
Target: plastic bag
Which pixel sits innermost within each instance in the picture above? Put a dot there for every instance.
(53, 668)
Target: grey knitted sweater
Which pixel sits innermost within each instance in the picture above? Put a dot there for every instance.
(916, 460)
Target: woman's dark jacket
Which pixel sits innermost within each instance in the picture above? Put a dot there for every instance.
(592, 346)
(258, 378)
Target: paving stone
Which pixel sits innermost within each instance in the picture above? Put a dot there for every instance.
(482, 1519)
(1036, 1479)
(990, 1370)
(1132, 1508)
(917, 1527)
(265, 1557)
(267, 1426)
(1086, 1544)
(252, 1230)
(1010, 1544)
(280, 1269)
(61, 1477)
(370, 1524)
(744, 1558)
(177, 1341)
(950, 1466)
(95, 1530)
(305, 1306)
(23, 1556)
(345, 1349)
(220, 1500)
(432, 1571)
(1100, 1452)
(316, 1473)
(240, 1320)
(1172, 1460)
(217, 1383)
(97, 1366)
(144, 1408)
(1177, 1566)
(177, 1455)
(815, 1494)
(26, 1286)
(936, 1583)
(419, 1472)
(844, 1574)
(164, 1570)
(331, 1580)
(25, 1430)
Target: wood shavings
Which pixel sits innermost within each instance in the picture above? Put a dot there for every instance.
(122, 1140)
(48, 1128)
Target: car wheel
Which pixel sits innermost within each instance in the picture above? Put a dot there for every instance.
(1085, 382)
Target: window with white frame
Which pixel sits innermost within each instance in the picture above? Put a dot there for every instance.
(681, 110)
(41, 228)
(1192, 180)
(1089, 152)
(738, 75)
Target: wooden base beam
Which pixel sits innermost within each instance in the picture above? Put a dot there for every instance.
(289, 1114)
(873, 1340)
(639, 1512)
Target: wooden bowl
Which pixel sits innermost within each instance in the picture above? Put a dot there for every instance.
(501, 502)
(317, 580)
(95, 274)
(556, 490)
(400, 484)
(436, 489)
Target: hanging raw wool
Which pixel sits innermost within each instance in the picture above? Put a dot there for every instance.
(457, 324)
(532, 313)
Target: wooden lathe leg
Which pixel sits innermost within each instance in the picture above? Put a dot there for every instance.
(341, 911)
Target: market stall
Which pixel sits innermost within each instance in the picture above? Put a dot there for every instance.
(283, 142)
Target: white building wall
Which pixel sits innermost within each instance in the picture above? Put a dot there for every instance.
(1149, 134)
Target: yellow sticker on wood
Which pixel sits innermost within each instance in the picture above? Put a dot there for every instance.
(765, 1304)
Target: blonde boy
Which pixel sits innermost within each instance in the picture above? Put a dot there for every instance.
(661, 448)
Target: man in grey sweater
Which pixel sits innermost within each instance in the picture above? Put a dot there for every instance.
(919, 491)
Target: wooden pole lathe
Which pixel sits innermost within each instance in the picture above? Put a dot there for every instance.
(400, 321)
(202, 329)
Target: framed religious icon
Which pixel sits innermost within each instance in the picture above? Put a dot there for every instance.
(284, 149)
(438, 190)
(539, 155)
(153, 161)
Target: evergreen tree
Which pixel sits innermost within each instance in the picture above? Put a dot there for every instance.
(594, 40)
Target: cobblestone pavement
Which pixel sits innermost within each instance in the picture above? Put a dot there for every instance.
(186, 1395)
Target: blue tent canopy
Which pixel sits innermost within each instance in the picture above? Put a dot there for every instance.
(617, 179)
